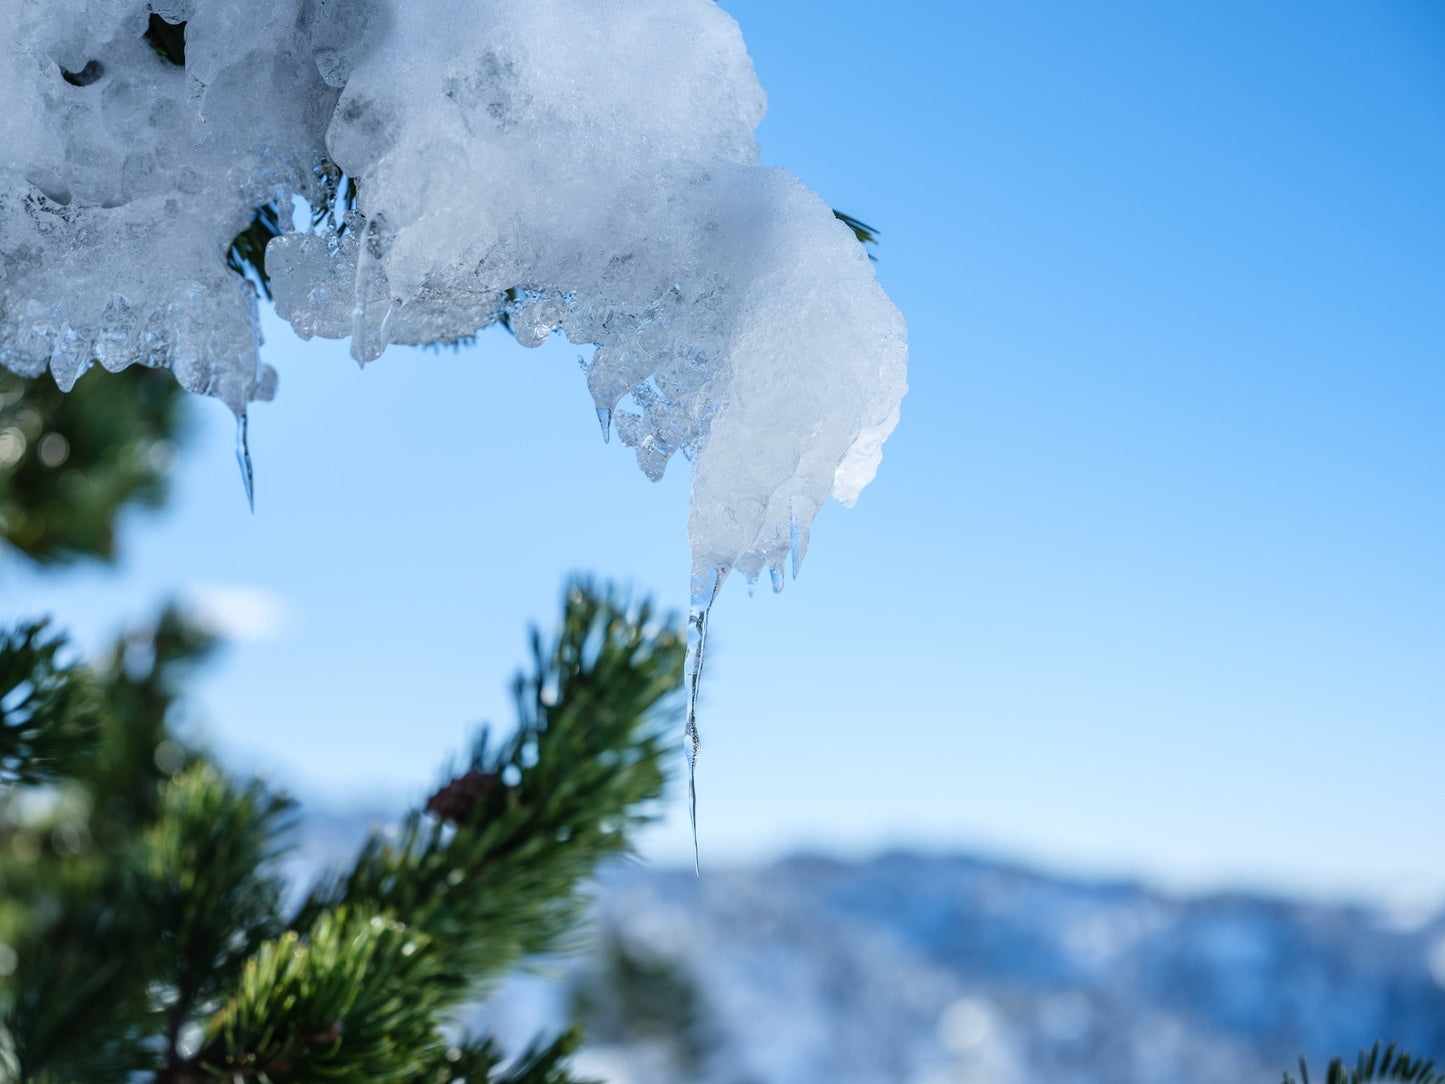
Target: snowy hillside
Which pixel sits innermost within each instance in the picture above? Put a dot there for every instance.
(926, 970)
(920, 969)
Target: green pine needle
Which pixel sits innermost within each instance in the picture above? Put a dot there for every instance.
(167, 39)
(865, 233)
(1380, 1062)
(70, 462)
(47, 709)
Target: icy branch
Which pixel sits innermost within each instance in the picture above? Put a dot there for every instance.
(585, 167)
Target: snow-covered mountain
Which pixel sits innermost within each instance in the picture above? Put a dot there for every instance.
(925, 970)
(921, 969)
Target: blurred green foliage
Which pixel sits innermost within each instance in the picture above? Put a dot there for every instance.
(70, 463)
(627, 995)
(1380, 1063)
(144, 928)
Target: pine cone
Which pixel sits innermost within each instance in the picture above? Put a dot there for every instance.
(456, 801)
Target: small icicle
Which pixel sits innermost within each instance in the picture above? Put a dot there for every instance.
(775, 570)
(604, 419)
(243, 457)
(798, 537)
(706, 582)
(376, 240)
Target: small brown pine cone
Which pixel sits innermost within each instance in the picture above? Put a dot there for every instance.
(456, 801)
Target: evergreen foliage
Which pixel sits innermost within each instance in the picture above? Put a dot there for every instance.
(627, 995)
(70, 462)
(1377, 1063)
(167, 39)
(46, 716)
(247, 253)
(143, 928)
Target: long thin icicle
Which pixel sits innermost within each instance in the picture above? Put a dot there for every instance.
(706, 583)
(243, 457)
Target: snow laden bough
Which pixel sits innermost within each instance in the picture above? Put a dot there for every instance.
(585, 167)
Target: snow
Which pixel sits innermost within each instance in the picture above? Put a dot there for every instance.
(581, 167)
(917, 968)
(941, 968)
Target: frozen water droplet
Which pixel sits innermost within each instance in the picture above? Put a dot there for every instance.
(243, 457)
(706, 583)
(775, 570)
(604, 419)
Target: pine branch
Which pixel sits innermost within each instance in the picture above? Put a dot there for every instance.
(354, 999)
(865, 233)
(471, 1061)
(545, 1064)
(80, 910)
(336, 197)
(1377, 1063)
(628, 995)
(480, 1062)
(70, 462)
(248, 248)
(212, 885)
(167, 39)
(47, 709)
(77, 1005)
(155, 945)
(496, 876)
(141, 679)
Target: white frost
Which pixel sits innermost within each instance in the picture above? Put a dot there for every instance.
(585, 167)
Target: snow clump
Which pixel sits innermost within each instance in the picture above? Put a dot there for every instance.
(583, 167)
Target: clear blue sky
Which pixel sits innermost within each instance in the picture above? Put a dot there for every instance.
(1152, 579)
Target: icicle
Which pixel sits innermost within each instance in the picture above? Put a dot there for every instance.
(706, 582)
(798, 536)
(243, 457)
(376, 239)
(604, 419)
(775, 570)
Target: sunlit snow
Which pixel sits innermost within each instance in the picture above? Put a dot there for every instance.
(582, 167)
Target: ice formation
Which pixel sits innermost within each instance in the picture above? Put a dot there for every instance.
(585, 167)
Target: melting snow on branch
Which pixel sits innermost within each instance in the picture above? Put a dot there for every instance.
(577, 166)
(582, 166)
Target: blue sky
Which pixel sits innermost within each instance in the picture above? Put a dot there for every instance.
(1152, 578)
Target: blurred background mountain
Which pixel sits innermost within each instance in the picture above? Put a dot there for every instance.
(959, 969)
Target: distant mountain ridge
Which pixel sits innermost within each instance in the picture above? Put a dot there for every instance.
(929, 970)
(925, 970)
